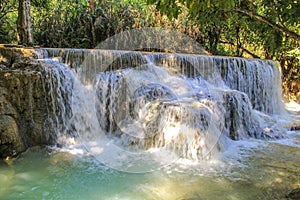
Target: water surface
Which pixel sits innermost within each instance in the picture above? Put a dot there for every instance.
(248, 169)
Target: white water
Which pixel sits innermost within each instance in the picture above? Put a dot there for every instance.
(139, 112)
(123, 121)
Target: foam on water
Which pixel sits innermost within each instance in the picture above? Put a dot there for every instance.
(130, 109)
(133, 122)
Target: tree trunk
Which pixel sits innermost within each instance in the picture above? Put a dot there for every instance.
(24, 23)
(270, 23)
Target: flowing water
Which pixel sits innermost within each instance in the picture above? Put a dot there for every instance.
(163, 126)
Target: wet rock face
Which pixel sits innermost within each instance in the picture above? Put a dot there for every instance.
(112, 95)
(149, 93)
(11, 142)
(22, 110)
(27, 104)
(294, 194)
(127, 60)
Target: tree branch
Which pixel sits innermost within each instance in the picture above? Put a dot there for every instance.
(242, 48)
(250, 53)
(270, 23)
(4, 13)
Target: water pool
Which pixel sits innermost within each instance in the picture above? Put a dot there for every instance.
(249, 169)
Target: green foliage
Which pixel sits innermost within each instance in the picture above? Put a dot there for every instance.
(291, 69)
(8, 14)
(80, 23)
(260, 28)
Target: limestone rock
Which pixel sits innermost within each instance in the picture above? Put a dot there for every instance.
(10, 139)
(33, 101)
(5, 107)
(15, 54)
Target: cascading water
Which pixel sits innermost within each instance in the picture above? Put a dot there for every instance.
(259, 79)
(140, 112)
(150, 108)
(132, 105)
(57, 82)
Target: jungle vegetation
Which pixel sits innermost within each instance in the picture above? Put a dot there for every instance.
(266, 29)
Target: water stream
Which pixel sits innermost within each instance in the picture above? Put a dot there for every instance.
(164, 126)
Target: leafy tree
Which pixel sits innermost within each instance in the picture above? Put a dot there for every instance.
(80, 23)
(278, 14)
(7, 23)
(259, 29)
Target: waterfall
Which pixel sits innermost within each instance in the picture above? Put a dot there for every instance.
(149, 108)
(57, 85)
(181, 103)
(259, 79)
